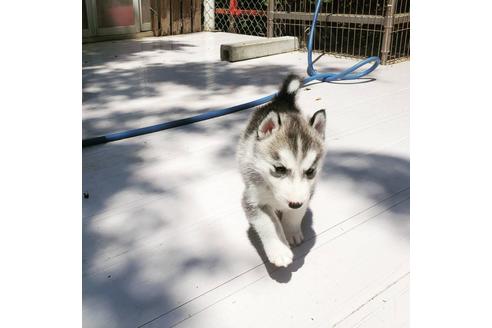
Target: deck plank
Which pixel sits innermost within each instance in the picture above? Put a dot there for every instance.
(342, 256)
(165, 239)
(223, 182)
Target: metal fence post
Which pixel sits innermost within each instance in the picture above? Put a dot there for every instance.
(270, 9)
(209, 15)
(388, 29)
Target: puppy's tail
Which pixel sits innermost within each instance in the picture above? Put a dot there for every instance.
(289, 88)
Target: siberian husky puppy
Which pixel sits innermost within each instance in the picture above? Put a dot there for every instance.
(280, 155)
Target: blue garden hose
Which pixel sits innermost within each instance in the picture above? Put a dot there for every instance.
(347, 74)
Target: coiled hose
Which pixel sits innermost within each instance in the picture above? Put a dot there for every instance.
(347, 74)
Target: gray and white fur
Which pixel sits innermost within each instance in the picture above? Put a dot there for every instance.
(280, 156)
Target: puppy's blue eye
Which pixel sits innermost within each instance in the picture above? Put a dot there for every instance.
(280, 170)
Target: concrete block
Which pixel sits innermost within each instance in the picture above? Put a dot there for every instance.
(258, 48)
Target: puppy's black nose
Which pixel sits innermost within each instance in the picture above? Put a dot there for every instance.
(294, 205)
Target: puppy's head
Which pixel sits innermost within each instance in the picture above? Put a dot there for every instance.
(290, 148)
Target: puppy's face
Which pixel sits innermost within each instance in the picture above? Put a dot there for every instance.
(289, 155)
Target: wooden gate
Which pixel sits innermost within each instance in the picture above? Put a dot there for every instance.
(171, 17)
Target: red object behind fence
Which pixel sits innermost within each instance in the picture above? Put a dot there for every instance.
(235, 11)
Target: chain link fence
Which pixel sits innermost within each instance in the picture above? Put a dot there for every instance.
(236, 16)
(348, 28)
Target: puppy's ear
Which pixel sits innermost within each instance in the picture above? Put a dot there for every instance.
(318, 122)
(269, 125)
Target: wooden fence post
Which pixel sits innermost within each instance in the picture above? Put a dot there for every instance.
(176, 22)
(270, 10)
(154, 17)
(186, 16)
(165, 16)
(388, 29)
(197, 16)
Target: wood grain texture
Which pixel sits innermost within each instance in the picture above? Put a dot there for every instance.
(197, 15)
(154, 17)
(165, 17)
(176, 18)
(186, 16)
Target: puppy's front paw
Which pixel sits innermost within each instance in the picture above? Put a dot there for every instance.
(279, 254)
(294, 238)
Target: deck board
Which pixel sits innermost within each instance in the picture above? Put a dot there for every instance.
(165, 239)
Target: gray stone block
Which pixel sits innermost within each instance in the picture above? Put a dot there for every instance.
(258, 48)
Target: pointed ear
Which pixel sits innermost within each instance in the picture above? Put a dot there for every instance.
(318, 122)
(269, 125)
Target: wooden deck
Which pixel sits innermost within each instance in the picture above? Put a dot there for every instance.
(165, 242)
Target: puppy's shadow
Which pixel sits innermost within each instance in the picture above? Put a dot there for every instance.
(281, 274)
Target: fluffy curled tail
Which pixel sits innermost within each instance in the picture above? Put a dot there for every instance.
(289, 88)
